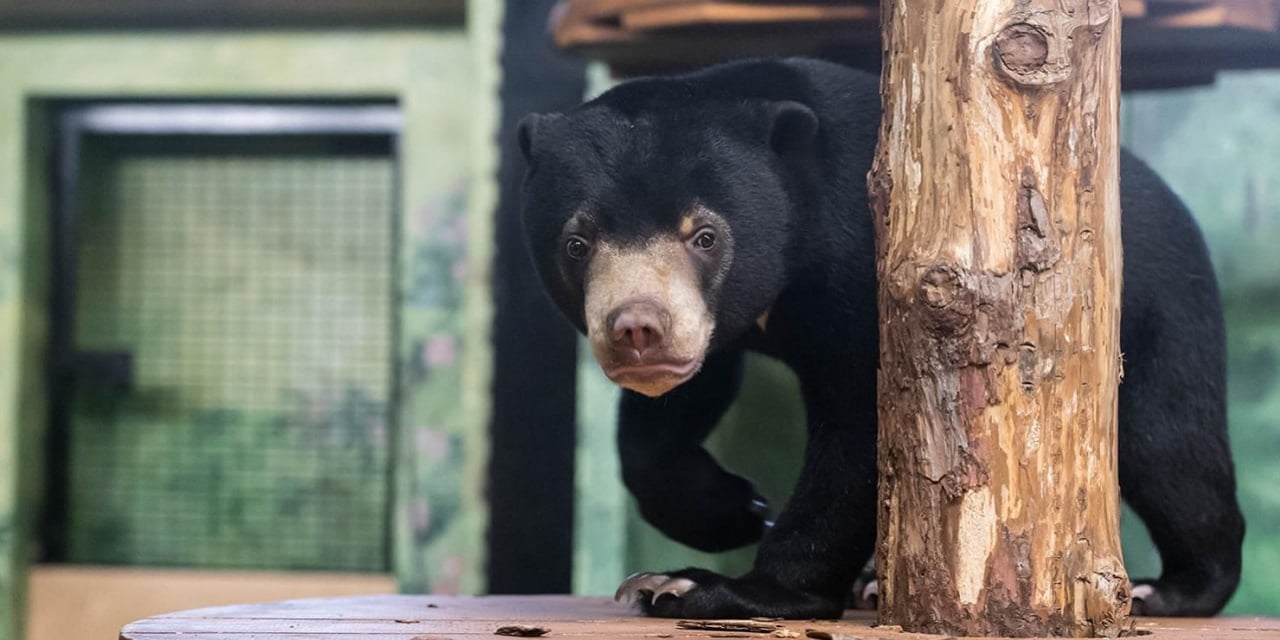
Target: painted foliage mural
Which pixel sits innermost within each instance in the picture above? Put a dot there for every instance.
(431, 388)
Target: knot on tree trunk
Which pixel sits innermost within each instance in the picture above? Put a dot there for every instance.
(1028, 55)
(948, 304)
(1022, 48)
(965, 319)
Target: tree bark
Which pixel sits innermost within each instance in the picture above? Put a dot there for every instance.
(996, 195)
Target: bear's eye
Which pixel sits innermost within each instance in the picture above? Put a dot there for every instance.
(705, 240)
(576, 247)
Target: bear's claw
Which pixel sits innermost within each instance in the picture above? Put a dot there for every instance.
(1145, 600)
(636, 583)
(865, 593)
(655, 584)
(868, 597)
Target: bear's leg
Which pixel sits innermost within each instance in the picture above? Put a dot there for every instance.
(808, 561)
(1176, 473)
(678, 486)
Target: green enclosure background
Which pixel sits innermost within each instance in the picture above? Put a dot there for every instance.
(1219, 147)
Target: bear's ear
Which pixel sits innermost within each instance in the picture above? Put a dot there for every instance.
(792, 127)
(527, 132)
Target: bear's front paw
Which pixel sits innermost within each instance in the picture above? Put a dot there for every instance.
(698, 593)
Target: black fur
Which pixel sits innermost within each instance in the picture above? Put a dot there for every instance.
(781, 149)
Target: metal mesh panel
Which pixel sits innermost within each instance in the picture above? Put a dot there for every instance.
(254, 292)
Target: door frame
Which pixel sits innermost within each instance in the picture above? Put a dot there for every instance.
(66, 363)
(444, 80)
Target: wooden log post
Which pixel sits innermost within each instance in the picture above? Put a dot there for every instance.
(996, 196)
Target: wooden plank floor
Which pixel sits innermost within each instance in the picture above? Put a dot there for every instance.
(433, 618)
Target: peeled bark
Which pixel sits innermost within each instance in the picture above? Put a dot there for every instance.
(996, 195)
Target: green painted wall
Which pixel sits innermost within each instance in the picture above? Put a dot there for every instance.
(443, 80)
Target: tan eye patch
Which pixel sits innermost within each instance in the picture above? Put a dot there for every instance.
(686, 226)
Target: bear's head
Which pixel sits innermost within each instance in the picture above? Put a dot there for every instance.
(661, 217)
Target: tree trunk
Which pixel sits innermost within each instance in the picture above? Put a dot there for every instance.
(996, 195)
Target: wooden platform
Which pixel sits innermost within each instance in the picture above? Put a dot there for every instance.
(433, 618)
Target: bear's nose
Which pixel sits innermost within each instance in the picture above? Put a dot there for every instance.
(638, 325)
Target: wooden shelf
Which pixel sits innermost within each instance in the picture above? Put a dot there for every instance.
(1166, 42)
(431, 617)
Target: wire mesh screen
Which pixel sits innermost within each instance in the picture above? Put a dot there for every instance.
(251, 281)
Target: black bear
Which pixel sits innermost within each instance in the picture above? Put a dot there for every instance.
(681, 221)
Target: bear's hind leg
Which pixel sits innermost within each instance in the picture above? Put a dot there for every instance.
(1198, 540)
(1177, 475)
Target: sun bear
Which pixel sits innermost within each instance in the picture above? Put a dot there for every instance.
(681, 221)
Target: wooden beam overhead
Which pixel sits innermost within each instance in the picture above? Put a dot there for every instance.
(1256, 15)
(668, 15)
(1133, 8)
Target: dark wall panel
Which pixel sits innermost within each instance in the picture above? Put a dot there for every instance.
(531, 471)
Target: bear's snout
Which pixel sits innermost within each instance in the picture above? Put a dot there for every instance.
(646, 316)
(638, 330)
